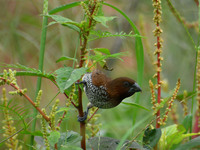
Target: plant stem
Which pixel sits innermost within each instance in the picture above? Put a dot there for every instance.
(28, 98)
(158, 82)
(41, 60)
(83, 45)
(157, 32)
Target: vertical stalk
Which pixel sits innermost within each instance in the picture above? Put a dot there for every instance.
(158, 51)
(83, 45)
(41, 60)
(158, 82)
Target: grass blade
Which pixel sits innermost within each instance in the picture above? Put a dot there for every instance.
(139, 55)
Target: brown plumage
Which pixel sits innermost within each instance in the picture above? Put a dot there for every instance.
(104, 93)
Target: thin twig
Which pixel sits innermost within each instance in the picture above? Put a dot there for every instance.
(93, 114)
(28, 98)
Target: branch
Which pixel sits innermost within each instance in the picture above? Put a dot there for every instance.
(28, 98)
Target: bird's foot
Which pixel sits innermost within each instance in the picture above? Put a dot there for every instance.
(82, 119)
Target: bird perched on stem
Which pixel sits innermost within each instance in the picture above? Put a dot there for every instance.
(102, 92)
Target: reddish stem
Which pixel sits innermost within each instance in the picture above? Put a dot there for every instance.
(29, 99)
(93, 114)
(196, 127)
(70, 100)
(83, 52)
(61, 119)
(197, 2)
(158, 82)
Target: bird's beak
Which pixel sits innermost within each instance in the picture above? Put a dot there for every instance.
(135, 88)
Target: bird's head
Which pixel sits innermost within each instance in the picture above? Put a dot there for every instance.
(122, 87)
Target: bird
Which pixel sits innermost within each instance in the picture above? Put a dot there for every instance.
(105, 93)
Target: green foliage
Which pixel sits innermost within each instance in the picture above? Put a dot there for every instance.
(67, 76)
(66, 58)
(103, 20)
(64, 7)
(101, 54)
(29, 71)
(187, 122)
(151, 137)
(65, 22)
(69, 140)
(53, 137)
(97, 34)
(194, 143)
(106, 143)
(135, 105)
(172, 136)
(17, 110)
(35, 133)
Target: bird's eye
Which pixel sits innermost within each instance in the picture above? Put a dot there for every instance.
(126, 84)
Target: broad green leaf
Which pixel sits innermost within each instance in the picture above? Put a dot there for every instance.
(151, 137)
(173, 135)
(69, 141)
(187, 122)
(65, 58)
(64, 21)
(103, 50)
(53, 137)
(103, 20)
(67, 76)
(136, 105)
(73, 137)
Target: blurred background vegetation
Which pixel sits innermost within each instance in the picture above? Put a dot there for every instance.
(20, 32)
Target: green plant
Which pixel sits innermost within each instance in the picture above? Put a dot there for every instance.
(160, 129)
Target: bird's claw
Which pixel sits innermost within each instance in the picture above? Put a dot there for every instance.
(82, 119)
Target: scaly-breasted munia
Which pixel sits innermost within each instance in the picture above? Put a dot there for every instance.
(102, 92)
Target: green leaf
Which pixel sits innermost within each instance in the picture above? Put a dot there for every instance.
(65, 22)
(65, 58)
(61, 109)
(189, 95)
(100, 58)
(151, 137)
(94, 35)
(70, 147)
(107, 143)
(69, 141)
(29, 71)
(103, 20)
(194, 143)
(64, 7)
(172, 136)
(73, 137)
(53, 137)
(67, 76)
(139, 55)
(103, 50)
(136, 105)
(187, 122)
(35, 133)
